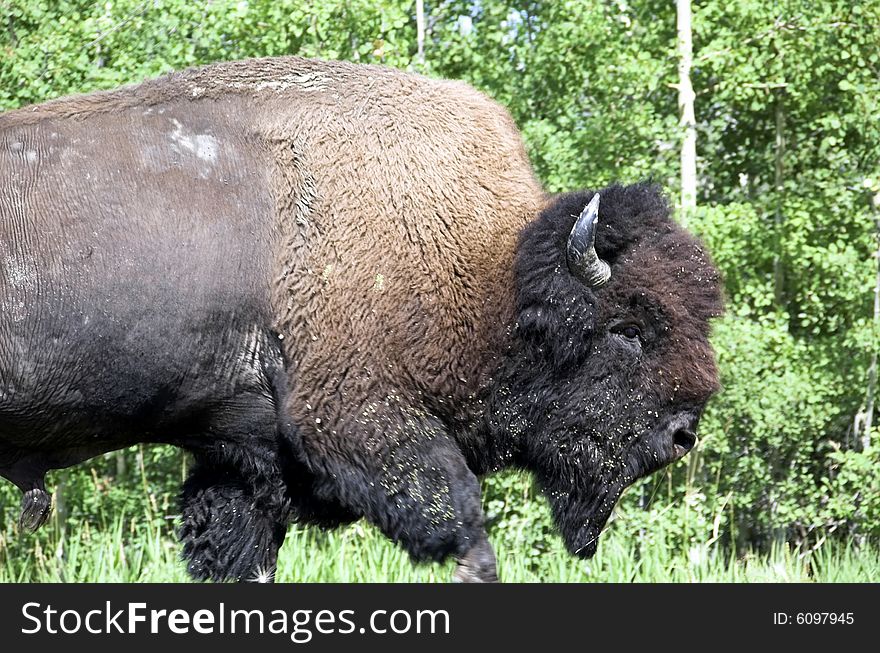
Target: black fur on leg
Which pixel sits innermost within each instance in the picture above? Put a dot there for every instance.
(305, 506)
(232, 527)
(410, 479)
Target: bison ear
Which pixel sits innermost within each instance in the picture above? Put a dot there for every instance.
(583, 261)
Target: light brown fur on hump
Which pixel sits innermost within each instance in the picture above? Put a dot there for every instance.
(400, 203)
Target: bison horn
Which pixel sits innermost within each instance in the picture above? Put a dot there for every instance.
(583, 261)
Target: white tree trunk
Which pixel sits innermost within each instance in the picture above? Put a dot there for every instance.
(420, 31)
(872, 370)
(864, 420)
(779, 186)
(687, 119)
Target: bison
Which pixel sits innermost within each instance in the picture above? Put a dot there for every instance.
(342, 289)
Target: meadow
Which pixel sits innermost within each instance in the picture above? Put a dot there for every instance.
(137, 544)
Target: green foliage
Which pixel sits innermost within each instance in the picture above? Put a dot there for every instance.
(789, 168)
(853, 488)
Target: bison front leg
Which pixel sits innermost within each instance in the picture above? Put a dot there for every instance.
(406, 475)
(477, 565)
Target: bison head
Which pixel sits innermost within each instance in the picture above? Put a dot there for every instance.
(609, 366)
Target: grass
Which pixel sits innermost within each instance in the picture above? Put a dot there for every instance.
(124, 532)
(138, 549)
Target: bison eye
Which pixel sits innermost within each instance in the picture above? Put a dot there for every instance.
(629, 330)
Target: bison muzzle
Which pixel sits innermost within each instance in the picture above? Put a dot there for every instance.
(342, 289)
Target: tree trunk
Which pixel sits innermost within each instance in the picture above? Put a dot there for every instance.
(868, 422)
(420, 32)
(687, 119)
(121, 464)
(779, 187)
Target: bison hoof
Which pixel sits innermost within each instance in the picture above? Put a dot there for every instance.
(36, 505)
(477, 565)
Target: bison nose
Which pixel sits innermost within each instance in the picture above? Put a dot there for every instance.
(683, 440)
(680, 429)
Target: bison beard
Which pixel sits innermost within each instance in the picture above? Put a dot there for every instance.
(342, 289)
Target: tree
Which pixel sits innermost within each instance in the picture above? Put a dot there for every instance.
(687, 120)
(420, 32)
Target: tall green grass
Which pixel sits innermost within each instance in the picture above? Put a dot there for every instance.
(141, 548)
(102, 531)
